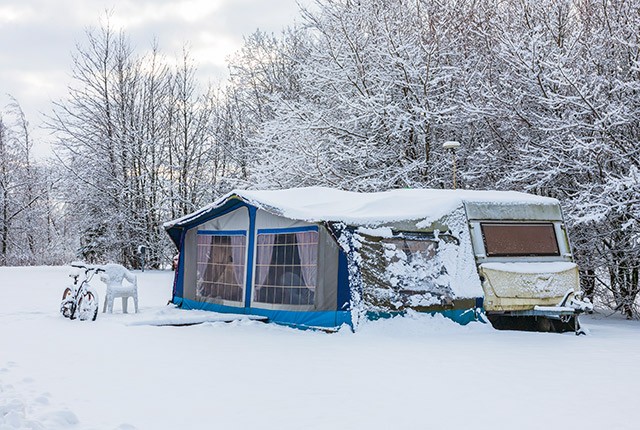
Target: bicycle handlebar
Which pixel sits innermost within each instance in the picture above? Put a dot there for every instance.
(87, 268)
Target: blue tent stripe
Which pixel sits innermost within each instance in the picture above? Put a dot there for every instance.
(288, 230)
(344, 294)
(223, 232)
(319, 319)
(250, 256)
(178, 287)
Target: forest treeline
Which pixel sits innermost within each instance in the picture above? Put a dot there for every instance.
(543, 95)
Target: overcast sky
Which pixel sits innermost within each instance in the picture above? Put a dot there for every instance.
(37, 38)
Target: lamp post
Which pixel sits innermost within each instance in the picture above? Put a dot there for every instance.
(142, 250)
(452, 145)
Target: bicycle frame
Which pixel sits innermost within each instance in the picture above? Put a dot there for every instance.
(73, 296)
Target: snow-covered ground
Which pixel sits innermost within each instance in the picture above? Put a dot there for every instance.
(414, 372)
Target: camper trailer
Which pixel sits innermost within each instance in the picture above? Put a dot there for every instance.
(320, 257)
(525, 265)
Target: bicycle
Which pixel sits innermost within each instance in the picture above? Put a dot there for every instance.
(81, 300)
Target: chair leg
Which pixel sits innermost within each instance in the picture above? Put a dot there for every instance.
(110, 304)
(135, 301)
(125, 300)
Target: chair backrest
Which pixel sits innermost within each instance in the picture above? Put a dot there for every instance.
(114, 274)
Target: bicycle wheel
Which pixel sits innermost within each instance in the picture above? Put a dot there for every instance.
(66, 306)
(88, 306)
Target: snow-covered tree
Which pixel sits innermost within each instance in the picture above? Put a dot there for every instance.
(29, 231)
(135, 141)
(558, 106)
(543, 96)
(376, 98)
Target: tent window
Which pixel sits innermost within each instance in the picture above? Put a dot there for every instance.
(412, 266)
(413, 249)
(221, 266)
(286, 267)
(409, 270)
(519, 239)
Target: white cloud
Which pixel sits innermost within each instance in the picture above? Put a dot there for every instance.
(130, 15)
(9, 14)
(213, 48)
(37, 37)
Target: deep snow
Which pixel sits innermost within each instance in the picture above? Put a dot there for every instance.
(414, 372)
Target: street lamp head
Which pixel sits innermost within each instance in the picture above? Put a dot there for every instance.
(451, 144)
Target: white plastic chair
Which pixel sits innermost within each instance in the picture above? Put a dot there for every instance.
(113, 276)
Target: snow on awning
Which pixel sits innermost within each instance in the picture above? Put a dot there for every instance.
(315, 204)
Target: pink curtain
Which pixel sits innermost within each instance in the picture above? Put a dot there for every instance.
(237, 258)
(265, 251)
(204, 271)
(308, 251)
(204, 254)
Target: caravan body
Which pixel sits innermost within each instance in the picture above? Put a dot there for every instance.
(526, 267)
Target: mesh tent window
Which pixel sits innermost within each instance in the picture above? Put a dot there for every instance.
(221, 265)
(286, 266)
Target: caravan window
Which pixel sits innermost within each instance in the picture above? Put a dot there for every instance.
(286, 266)
(221, 265)
(519, 239)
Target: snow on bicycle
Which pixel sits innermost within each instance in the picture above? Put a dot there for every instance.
(80, 300)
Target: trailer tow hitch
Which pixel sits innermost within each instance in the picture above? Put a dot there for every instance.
(580, 305)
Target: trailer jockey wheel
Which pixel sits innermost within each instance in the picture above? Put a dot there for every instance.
(545, 325)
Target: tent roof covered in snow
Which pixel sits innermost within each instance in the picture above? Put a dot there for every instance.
(315, 204)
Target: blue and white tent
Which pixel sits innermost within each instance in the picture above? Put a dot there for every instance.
(320, 257)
